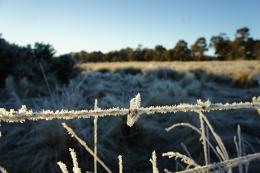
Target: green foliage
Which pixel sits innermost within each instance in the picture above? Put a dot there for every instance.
(181, 51)
(221, 44)
(159, 53)
(198, 48)
(242, 47)
(35, 64)
(64, 68)
(24, 62)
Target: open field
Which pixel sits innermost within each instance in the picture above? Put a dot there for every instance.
(215, 67)
(36, 146)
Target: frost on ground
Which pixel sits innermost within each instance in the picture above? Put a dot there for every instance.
(38, 146)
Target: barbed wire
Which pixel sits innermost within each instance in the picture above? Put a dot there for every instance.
(133, 112)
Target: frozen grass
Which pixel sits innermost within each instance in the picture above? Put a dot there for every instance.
(238, 70)
(238, 73)
(40, 145)
(134, 112)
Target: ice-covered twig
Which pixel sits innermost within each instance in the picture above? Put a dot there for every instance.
(120, 164)
(63, 167)
(199, 132)
(224, 165)
(3, 170)
(153, 160)
(95, 136)
(86, 147)
(76, 168)
(185, 159)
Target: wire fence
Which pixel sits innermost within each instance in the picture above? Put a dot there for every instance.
(133, 112)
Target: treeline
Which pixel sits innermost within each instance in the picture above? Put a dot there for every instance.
(243, 46)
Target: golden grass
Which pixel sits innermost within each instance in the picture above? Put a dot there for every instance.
(215, 67)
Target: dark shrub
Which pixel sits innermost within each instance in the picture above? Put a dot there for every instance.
(64, 68)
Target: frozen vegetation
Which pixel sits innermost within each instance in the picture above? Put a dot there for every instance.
(38, 146)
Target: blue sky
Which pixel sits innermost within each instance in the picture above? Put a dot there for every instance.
(74, 25)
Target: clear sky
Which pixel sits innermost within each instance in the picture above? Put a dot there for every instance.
(74, 25)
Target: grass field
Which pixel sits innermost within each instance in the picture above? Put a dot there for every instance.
(215, 67)
(36, 146)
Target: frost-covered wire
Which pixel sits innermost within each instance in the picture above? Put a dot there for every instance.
(133, 112)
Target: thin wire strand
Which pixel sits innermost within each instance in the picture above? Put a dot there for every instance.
(23, 114)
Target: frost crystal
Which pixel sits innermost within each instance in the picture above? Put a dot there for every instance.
(255, 102)
(204, 105)
(133, 115)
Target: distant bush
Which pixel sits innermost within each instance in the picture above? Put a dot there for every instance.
(64, 68)
(35, 65)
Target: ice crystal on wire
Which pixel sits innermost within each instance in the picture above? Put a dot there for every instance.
(133, 115)
(204, 105)
(256, 101)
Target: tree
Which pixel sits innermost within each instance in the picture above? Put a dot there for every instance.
(139, 53)
(95, 56)
(43, 51)
(242, 33)
(221, 44)
(257, 49)
(148, 54)
(81, 56)
(129, 54)
(181, 51)
(243, 45)
(198, 48)
(64, 68)
(158, 53)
